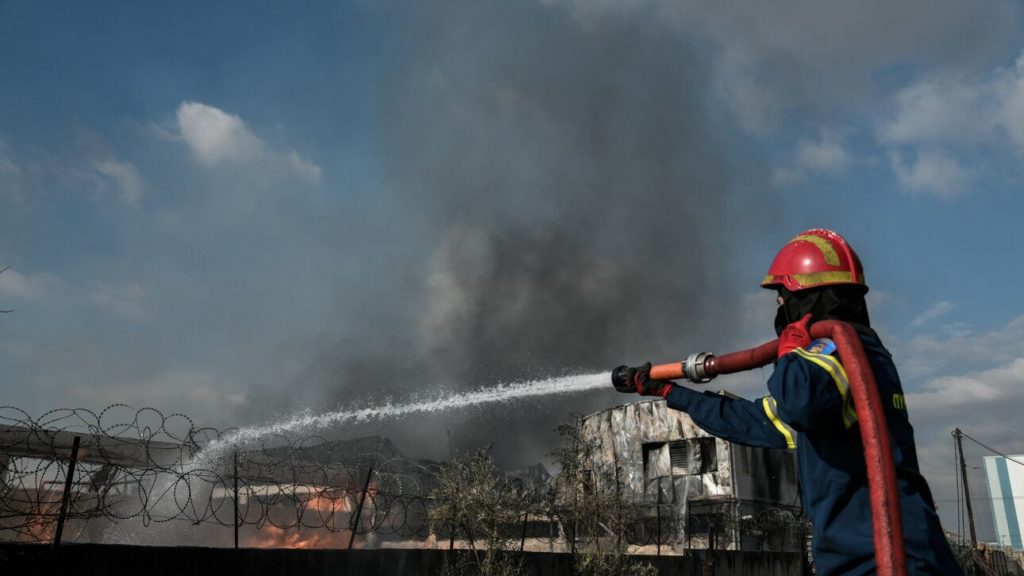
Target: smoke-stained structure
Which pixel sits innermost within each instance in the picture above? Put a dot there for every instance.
(660, 461)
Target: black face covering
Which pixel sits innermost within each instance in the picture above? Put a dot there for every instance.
(839, 302)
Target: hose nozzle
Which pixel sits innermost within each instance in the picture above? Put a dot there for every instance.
(620, 379)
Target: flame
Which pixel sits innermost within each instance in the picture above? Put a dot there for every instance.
(273, 537)
(39, 527)
(326, 504)
(332, 508)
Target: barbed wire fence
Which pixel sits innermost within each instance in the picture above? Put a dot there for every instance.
(140, 476)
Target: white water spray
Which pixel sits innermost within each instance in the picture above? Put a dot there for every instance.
(500, 393)
(165, 485)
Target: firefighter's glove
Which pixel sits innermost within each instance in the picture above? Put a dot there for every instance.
(638, 380)
(794, 336)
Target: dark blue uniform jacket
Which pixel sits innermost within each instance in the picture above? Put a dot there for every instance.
(810, 408)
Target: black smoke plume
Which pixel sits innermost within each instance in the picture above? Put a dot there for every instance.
(560, 192)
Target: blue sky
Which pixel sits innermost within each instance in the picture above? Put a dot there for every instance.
(238, 209)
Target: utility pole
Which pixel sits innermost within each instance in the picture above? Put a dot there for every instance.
(967, 492)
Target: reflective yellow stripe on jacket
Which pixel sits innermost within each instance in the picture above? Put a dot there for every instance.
(835, 369)
(771, 409)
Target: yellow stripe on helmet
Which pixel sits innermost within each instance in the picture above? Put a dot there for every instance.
(827, 250)
(831, 276)
(816, 278)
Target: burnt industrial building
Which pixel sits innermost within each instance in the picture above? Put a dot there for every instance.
(719, 494)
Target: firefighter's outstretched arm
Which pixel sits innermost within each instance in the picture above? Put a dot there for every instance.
(754, 423)
(734, 419)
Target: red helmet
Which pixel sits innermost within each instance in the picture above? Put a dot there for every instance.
(817, 257)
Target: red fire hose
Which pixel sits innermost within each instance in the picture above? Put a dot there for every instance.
(886, 519)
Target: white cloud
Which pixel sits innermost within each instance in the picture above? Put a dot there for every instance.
(969, 392)
(1010, 90)
(197, 393)
(782, 58)
(964, 378)
(125, 176)
(935, 311)
(932, 172)
(127, 301)
(787, 176)
(938, 110)
(946, 116)
(960, 347)
(940, 358)
(960, 110)
(775, 64)
(124, 300)
(37, 286)
(827, 155)
(304, 168)
(215, 136)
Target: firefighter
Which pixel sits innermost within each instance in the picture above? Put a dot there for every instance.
(818, 276)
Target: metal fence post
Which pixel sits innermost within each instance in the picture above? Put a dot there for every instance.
(67, 492)
(522, 539)
(359, 509)
(236, 500)
(658, 512)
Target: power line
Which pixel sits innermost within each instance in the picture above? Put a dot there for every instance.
(977, 498)
(990, 449)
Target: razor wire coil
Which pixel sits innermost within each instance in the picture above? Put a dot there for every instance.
(142, 466)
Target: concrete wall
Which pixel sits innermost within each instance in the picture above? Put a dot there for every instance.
(102, 560)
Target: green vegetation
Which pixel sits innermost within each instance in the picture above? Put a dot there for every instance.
(480, 505)
(477, 504)
(594, 511)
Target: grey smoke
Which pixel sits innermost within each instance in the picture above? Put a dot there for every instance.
(561, 199)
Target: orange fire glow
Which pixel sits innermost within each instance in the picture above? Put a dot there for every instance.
(325, 505)
(39, 528)
(272, 537)
(332, 510)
